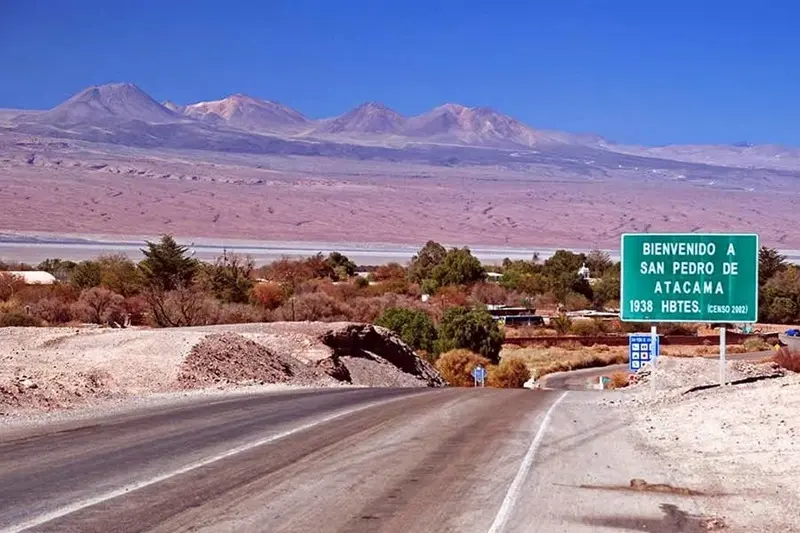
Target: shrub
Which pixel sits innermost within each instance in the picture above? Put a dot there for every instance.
(414, 327)
(587, 328)
(423, 263)
(181, 307)
(619, 380)
(100, 306)
(120, 274)
(238, 314)
(361, 282)
(511, 373)
(474, 330)
(16, 319)
(670, 328)
(86, 274)
(10, 285)
(136, 307)
(313, 306)
(576, 302)
(455, 366)
(459, 267)
(447, 297)
(229, 278)
(788, 359)
(268, 295)
(390, 272)
(51, 310)
(562, 324)
(489, 293)
(755, 344)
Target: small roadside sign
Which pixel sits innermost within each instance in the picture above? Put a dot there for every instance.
(479, 375)
(640, 350)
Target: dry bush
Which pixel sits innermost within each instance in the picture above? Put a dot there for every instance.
(11, 306)
(547, 300)
(455, 366)
(368, 309)
(316, 306)
(678, 328)
(10, 285)
(450, 296)
(576, 302)
(542, 361)
(511, 373)
(269, 295)
(51, 310)
(787, 359)
(601, 348)
(489, 293)
(136, 308)
(16, 319)
(586, 328)
(100, 306)
(755, 344)
(390, 272)
(232, 313)
(562, 324)
(619, 380)
(180, 307)
(529, 331)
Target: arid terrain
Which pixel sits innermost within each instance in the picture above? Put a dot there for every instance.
(130, 166)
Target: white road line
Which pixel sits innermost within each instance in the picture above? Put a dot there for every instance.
(83, 504)
(513, 491)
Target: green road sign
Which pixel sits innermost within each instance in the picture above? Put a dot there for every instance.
(689, 277)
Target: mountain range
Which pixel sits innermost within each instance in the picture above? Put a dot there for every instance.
(123, 114)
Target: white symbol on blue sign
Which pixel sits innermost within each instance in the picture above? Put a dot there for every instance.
(479, 373)
(639, 351)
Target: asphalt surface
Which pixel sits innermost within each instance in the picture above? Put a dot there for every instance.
(384, 460)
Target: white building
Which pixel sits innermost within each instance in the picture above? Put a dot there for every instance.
(33, 277)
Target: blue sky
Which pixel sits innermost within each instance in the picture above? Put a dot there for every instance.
(652, 72)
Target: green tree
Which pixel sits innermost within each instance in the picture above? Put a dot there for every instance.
(229, 279)
(472, 329)
(414, 327)
(341, 265)
(598, 262)
(782, 310)
(167, 265)
(459, 267)
(606, 289)
(770, 263)
(563, 262)
(86, 274)
(59, 268)
(423, 263)
(121, 275)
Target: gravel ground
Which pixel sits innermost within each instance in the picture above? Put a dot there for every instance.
(44, 369)
(740, 441)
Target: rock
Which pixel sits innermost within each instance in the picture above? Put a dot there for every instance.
(368, 342)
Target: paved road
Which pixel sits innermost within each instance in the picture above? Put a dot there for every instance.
(337, 460)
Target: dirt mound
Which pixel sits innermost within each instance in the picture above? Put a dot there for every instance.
(231, 359)
(52, 368)
(362, 347)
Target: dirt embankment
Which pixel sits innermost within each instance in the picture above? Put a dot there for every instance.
(50, 368)
(740, 442)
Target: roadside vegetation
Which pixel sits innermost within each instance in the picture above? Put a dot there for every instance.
(170, 288)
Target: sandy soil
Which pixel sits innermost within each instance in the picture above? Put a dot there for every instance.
(83, 190)
(742, 442)
(52, 368)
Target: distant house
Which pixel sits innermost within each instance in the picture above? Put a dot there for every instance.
(494, 276)
(33, 277)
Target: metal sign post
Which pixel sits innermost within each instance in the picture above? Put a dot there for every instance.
(653, 357)
(723, 367)
(479, 376)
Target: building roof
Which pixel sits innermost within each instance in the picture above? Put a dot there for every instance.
(33, 277)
